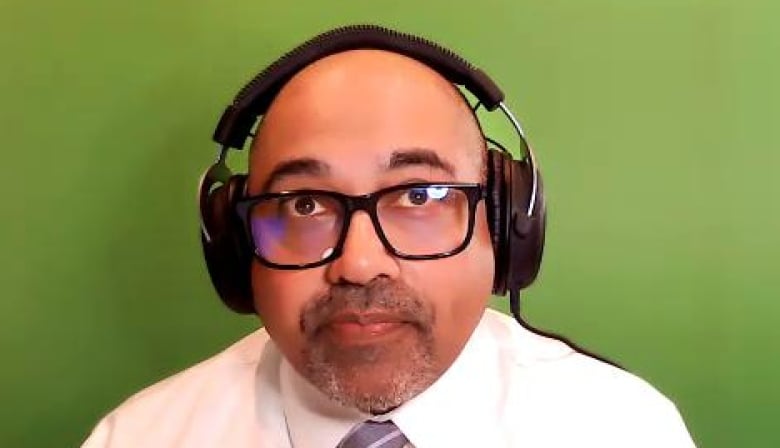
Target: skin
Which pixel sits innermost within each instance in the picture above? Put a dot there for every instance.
(371, 330)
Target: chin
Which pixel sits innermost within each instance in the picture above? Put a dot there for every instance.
(373, 379)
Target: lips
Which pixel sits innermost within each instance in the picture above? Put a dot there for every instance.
(364, 326)
(366, 317)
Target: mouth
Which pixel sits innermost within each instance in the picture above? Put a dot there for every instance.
(365, 327)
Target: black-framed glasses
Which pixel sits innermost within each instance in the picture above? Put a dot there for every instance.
(307, 228)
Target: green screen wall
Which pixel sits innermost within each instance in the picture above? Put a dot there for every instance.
(655, 122)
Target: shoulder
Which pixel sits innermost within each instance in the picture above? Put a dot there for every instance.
(215, 390)
(226, 368)
(559, 390)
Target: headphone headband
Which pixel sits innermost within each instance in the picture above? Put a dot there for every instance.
(255, 98)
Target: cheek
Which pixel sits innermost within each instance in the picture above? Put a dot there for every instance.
(279, 297)
(457, 287)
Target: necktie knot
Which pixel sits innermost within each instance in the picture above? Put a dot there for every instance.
(372, 434)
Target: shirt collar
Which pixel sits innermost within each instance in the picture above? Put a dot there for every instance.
(462, 407)
(313, 420)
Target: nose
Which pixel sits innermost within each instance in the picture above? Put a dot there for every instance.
(364, 257)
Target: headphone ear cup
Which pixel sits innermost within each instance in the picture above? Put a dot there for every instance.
(225, 248)
(525, 236)
(497, 214)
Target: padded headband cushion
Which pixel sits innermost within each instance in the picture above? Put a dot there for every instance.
(254, 99)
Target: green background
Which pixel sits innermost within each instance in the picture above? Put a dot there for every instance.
(655, 123)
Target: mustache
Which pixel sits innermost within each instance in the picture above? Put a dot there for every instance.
(381, 295)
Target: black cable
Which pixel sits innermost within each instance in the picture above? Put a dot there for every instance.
(514, 308)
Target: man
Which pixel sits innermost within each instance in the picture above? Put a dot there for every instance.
(373, 264)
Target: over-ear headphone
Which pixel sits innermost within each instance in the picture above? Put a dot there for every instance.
(515, 200)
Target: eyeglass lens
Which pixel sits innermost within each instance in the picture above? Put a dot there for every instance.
(303, 228)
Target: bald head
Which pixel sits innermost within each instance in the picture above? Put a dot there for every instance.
(353, 90)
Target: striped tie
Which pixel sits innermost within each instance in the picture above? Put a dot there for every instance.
(374, 435)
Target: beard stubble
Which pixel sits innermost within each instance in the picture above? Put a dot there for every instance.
(372, 377)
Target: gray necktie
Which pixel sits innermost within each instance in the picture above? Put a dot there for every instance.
(374, 435)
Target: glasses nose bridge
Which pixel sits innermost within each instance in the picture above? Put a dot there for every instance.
(366, 203)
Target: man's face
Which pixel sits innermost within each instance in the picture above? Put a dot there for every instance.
(371, 330)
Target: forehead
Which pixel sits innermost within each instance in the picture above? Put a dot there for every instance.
(355, 110)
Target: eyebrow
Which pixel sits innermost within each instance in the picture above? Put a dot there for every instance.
(296, 167)
(399, 159)
(403, 158)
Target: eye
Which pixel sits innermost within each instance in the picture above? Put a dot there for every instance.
(302, 206)
(420, 196)
(417, 196)
(305, 206)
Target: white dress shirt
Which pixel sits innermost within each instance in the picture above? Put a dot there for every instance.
(509, 387)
